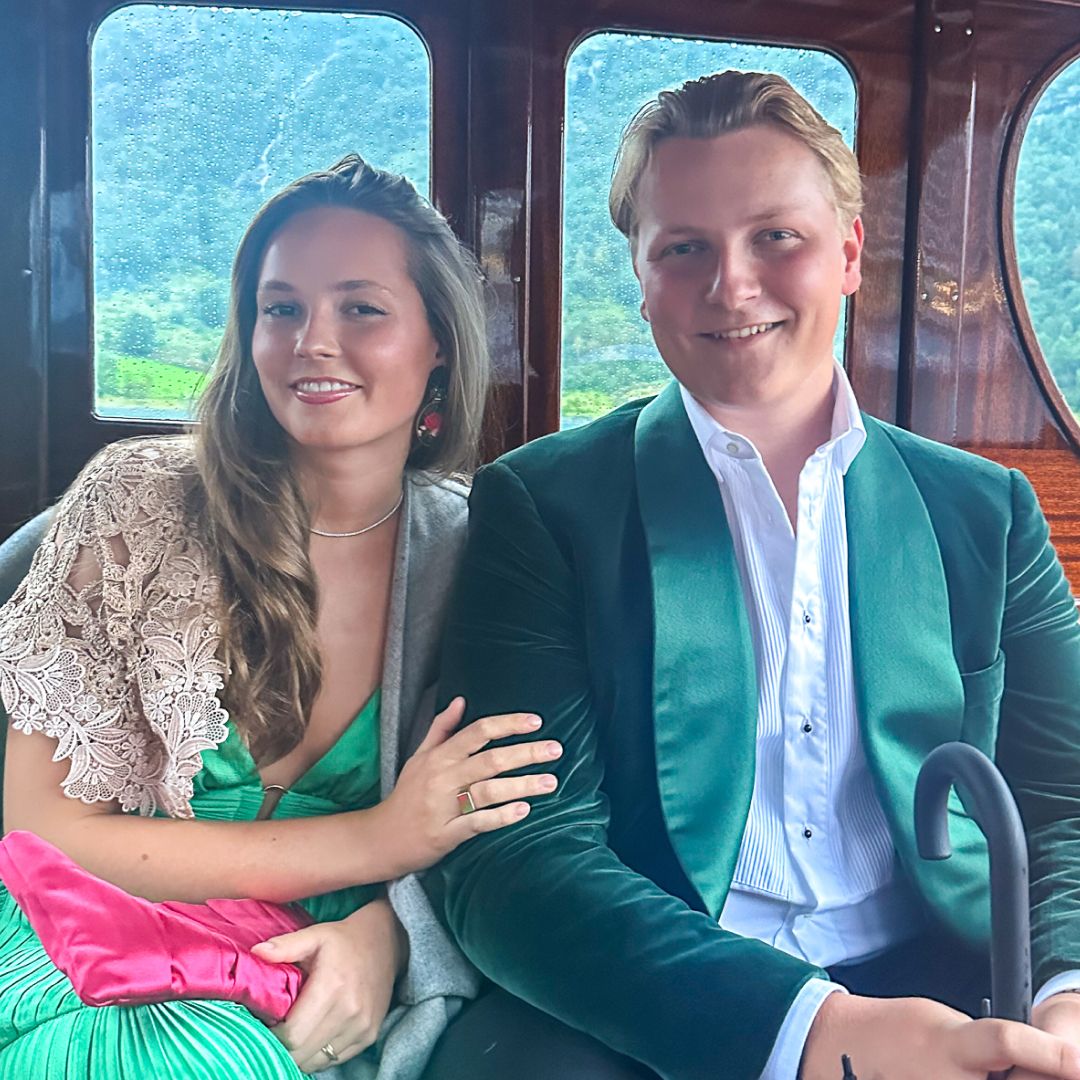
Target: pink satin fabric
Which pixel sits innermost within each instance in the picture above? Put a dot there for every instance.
(119, 949)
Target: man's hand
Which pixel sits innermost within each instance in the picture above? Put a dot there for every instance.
(918, 1039)
(351, 967)
(1058, 1015)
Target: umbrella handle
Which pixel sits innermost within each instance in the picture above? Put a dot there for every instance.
(990, 804)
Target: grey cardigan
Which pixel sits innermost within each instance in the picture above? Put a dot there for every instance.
(430, 539)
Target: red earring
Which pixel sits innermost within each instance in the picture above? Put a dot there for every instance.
(429, 419)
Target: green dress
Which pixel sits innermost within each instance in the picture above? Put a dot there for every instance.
(47, 1033)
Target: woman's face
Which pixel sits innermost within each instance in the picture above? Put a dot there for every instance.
(341, 343)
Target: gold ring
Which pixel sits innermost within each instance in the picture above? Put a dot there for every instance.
(465, 802)
(328, 1050)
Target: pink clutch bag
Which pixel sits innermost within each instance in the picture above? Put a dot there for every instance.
(119, 949)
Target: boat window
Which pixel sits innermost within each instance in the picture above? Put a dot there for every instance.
(199, 114)
(607, 354)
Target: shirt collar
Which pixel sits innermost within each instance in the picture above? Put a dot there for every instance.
(846, 439)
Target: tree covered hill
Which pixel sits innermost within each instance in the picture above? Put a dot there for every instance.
(200, 114)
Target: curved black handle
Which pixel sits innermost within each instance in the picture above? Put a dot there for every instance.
(990, 804)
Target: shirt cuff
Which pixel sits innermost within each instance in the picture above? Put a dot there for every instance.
(783, 1063)
(1067, 980)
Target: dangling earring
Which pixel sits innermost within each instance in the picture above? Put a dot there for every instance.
(429, 419)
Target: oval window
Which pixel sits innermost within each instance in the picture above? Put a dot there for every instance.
(1046, 227)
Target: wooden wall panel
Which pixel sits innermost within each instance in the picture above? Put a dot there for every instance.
(23, 267)
(969, 379)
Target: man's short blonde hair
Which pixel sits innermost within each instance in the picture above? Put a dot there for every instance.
(722, 103)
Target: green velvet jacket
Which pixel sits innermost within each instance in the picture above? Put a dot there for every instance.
(600, 589)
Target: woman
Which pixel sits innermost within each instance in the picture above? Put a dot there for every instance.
(226, 634)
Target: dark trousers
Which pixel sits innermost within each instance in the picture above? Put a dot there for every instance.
(499, 1037)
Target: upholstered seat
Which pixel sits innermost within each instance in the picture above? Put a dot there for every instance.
(17, 551)
(15, 555)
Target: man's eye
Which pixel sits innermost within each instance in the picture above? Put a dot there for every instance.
(779, 234)
(687, 247)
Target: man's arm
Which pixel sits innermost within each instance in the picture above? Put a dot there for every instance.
(1038, 749)
(549, 911)
(1038, 746)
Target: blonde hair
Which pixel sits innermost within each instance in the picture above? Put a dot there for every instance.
(722, 103)
(249, 500)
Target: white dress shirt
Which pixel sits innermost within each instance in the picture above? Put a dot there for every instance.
(816, 874)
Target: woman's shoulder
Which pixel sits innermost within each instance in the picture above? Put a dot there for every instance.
(154, 459)
(449, 489)
(132, 483)
(441, 499)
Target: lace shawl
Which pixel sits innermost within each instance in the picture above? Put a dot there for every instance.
(111, 645)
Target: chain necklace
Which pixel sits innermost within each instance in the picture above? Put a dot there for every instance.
(367, 528)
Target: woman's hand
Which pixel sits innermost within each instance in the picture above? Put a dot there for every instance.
(423, 815)
(350, 966)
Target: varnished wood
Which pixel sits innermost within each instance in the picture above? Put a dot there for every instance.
(969, 377)
(23, 269)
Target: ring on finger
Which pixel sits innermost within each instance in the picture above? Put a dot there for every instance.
(465, 803)
(331, 1054)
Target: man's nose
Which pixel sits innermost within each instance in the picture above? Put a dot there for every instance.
(318, 335)
(734, 280)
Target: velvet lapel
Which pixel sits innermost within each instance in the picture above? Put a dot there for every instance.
(907, 686)
(704, 677)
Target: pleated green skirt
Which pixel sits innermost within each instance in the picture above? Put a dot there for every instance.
(47, 1033)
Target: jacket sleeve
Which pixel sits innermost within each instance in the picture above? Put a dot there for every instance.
(545, 907)
(1039, 737)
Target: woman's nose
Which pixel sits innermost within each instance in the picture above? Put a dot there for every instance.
(318, 336)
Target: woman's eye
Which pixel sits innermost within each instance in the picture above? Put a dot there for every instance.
(365, 309)
(279, 311)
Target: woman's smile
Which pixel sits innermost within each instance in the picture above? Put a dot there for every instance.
(322, 391)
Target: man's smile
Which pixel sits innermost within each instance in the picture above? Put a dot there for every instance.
(752, 330)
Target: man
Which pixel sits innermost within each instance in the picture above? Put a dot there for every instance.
(748, 613)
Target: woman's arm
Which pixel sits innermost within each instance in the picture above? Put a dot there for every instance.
(288, 859)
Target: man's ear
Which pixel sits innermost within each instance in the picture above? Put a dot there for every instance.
(852, 248)
(633, 262)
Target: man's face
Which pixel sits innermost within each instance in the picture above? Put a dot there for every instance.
(743, 265)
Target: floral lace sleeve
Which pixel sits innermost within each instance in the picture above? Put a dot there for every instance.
(110, 645)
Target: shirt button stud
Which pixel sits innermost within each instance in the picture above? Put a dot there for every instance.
(807, 618)
(808, 832)
(733, 448)
(808, 727)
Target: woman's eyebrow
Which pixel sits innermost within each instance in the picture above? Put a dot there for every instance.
(274, 285)
(362, 283)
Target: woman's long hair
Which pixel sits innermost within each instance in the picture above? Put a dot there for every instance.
(249, 503)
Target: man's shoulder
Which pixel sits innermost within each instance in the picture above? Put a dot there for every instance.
(927, 459)
(597, 445)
